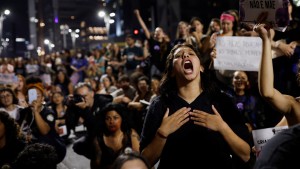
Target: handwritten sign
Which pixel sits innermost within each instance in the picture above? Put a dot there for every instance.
(238, 53)
(262, 136)
(8, 78)
(273, 12)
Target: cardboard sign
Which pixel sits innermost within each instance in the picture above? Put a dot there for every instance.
(273, 12)
(262, 136)
(238, 53)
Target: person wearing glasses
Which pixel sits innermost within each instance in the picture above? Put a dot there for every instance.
(9, 103)
(83, 107)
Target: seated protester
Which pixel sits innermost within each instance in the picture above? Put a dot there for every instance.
(9, 103)
(38, 121)
(11, 142)
(58, 105)
(85, 105)
(137, 108)
(37, 156)
(108, 86)
(126, 93)
(113, 136)
(130, 160)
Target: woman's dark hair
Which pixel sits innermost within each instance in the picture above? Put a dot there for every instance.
(37, 156)
(143, 77)
(9, 90)
(209, 30)
(33, 79)
(52, 104)
(121, 159)
(196, 19)
(12, 129)
(121, 110)
(109, 78)
(168, 82)
(66, 79)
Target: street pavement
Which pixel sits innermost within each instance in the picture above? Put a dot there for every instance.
(73, 160)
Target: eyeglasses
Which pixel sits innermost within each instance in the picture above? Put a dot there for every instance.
(4, 96)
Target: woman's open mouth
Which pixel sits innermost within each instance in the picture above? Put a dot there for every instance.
(188, 66)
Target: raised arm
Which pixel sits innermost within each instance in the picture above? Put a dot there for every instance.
(142, 23)
(281, 102)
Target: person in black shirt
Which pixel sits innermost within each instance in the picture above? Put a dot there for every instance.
(190, 115)
(11, 142)
(38, 121)
(159, 46)
(87, 108)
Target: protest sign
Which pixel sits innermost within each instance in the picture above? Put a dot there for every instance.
(238, 53)
(272, 12)
(261, 136)
(8, 78)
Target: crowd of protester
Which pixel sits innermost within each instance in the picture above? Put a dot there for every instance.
(158, 98)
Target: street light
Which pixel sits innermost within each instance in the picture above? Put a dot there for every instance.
(74, 36)
(107, 19)
(49, 44)
(64, 30)
(6, 12)
(2, 17)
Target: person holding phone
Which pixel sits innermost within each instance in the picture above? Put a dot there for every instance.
(38, 121)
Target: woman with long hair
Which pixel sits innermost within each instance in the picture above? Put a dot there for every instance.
(114, 135)
(191, 114)
(11, 143)
(9, 103)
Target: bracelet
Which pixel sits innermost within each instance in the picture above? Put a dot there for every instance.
(161, 135)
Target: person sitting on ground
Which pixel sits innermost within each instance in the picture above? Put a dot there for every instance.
(9, 103)
(114, 135)
(37, 156)
(11, 141)
(38, 121)
(130, 160)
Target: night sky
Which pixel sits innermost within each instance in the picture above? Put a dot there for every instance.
(18, 19)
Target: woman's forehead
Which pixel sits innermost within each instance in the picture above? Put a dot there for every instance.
(183, 48)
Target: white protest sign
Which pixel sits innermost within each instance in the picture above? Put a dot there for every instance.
(273, 12)
(46, 78)
(238, 53)
(8, 78)
(262, 136)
